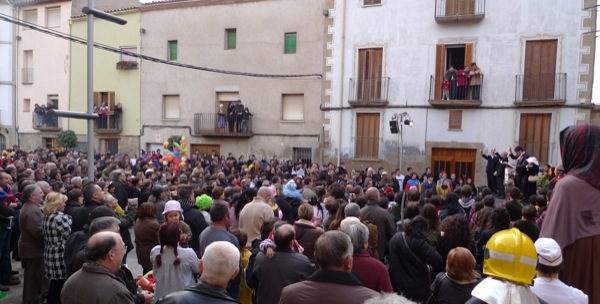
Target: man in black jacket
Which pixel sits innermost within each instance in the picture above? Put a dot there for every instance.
(218, 266)
(119, 180)
(93, 198)
(490, 168)
(192, 216)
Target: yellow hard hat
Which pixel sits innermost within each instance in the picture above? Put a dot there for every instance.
(510, 255)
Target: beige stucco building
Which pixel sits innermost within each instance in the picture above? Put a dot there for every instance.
(42, 71)
(280, 37)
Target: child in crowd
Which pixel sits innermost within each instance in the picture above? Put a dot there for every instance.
(245, 292)
(172, 213)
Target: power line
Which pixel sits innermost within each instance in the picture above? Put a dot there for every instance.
(108, 48)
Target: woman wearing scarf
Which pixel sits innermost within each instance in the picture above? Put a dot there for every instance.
(572, 218)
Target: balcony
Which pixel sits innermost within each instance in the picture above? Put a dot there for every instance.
(27, 75)
(45, 122)
(447, 11)
(458, 96)
(541, 90)
(127, 65)
(109, 123)
(370, 92)
(207, 124)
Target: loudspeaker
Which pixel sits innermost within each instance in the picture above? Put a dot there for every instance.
(394, 126)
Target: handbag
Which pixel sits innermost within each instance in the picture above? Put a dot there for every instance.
(436, 289)
(532, 178)
(427, 266)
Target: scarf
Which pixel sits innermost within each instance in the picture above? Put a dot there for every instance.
(187, 204)
(580, 154)
(493, 291)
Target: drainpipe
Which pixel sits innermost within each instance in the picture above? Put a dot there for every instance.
(15, 73)
(343, 45)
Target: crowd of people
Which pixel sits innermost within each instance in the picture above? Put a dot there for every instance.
(227, 230)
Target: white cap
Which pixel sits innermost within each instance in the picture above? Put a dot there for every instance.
(548, 251)
(533, 160)
(172, 206)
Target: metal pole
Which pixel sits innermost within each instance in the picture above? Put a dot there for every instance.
(90, 91)
(402, 146)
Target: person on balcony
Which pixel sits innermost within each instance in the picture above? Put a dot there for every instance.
(231, 116)
(451, 76)
(39, 115)
(221, 118)
(117, 114)
(245, 118)
(239, 114)
(463, 83)
(446, 89)
(476, 80)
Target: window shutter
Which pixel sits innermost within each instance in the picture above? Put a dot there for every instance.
(111, 101)
(173, 50)
(440, 64)
(468, 54)
(231, 39)
(290, 43)
(53, 17)
(455, 120)
(97, 99)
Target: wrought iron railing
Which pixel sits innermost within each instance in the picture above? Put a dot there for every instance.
(367, 90)
(455, 9)
(109, 122)
(545, 87)
(45, 121)
(214, 124)
(469, 88)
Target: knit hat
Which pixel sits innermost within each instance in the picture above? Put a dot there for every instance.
(549, 252)
(172, 206)
(203, 202)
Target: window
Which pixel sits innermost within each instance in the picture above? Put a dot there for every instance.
(171, 107)
(125, 57)
(302, 154)
(290, 43)
(371, 2)
(30, 16)
(458, 56)
(367, 135)
(172, 45)
(230, 39)
(293, 107)
(455, 120)
(534, 135)
(2, 142)
(52, 102)
(53, 17)
(50, 143)
(112, 146)
(540, 68)
(26, 105)
(27, 67)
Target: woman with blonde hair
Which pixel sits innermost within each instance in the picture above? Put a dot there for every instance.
(456, 284)
(56, 227)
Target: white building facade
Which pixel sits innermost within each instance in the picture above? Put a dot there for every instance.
(391, 57)
(7, 79)
(42, 72)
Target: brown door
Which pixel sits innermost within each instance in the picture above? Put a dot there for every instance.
(540, 70)
(201, 149)
(534, 135)
(458, 161)
(370, 70)
(460, 7)
(367, 135)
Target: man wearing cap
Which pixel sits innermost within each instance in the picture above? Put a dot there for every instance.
(547, 285)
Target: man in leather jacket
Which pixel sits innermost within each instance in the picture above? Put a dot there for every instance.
(219, 265)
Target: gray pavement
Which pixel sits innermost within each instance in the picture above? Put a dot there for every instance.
(15, 295)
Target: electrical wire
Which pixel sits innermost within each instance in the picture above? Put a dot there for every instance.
(108, 48)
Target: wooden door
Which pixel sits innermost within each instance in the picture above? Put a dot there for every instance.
(370, 70)
(540, 70)
(205, 149)
(367, 135)
(534, 135)
(458, 161)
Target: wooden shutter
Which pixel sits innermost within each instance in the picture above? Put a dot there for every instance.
(534, 135)
(455, 119)
(367, 135)
(290, 43)
(440, 64)
(370, 71)
(97, 99)
(111, 101)
(173, 50)
(362, 73)
(539, 71)
(376, 67)
(451, 7)
(231, 38)
(468, 54)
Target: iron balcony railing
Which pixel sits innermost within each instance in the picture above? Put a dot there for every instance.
(213, 125)
(369, 90)
(27, 75)
(45, 121)
(455, 10)
(109, 122)
(460, 89)
(545, 87)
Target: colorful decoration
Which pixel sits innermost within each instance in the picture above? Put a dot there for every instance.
(175, 153)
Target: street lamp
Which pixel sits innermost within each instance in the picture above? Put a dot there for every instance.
(399, 120)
